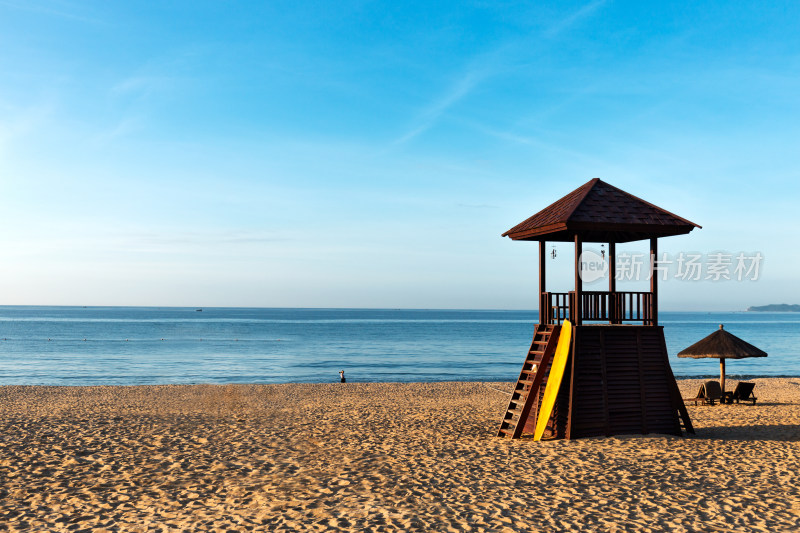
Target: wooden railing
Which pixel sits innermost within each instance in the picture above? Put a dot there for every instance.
(556, 307)
(598, 306)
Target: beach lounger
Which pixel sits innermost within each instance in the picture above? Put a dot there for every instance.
(709, 392)
(743, 392)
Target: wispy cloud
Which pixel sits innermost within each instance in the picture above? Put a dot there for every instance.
(133, 98)
(456, 92)
(573, 19)
(224, 238)
(538, 143)
(479, 69)
(486, 66)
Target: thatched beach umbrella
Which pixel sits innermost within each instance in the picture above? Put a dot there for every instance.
(722, 345)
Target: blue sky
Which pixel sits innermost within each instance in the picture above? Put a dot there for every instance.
(370, 154)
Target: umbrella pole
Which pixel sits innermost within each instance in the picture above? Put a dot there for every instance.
(722, 374)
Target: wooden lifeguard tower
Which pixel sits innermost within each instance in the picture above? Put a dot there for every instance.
(618, 379)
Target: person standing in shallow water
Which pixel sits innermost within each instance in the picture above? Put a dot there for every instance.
(341, 376)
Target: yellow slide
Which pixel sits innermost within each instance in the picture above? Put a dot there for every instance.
(554, 379)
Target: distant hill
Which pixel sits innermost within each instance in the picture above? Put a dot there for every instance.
(782, 308)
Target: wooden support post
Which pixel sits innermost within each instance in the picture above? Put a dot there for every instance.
(722, 377)
(544, 312)
(653, 282)
(612, 282)
(571, 394)
(578, 281)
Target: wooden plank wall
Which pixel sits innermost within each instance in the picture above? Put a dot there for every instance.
(620, 382)
(589, 403)
(661, 413)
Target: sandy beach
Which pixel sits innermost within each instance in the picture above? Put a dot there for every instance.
(379, 457)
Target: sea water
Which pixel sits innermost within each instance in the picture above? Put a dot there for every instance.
(155, 345)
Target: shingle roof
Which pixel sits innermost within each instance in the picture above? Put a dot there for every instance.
(600, 212)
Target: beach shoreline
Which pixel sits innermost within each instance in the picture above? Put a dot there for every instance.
(379, 457)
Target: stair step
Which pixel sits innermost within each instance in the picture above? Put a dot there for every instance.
(533, 371)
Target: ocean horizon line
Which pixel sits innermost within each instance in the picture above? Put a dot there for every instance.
(223, 307)
(137, 345)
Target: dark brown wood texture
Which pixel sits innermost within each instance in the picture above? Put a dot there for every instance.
(599, 212)
(612, 267)
(621, 382)
(612, 307)
(557, 424)
(653, 281)
(532, 378)
(542, 279)
(618, 379)
(578, 301)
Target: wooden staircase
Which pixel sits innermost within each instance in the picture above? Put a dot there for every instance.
(534, 370)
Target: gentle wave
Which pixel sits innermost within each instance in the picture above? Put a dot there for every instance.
(124, 346)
